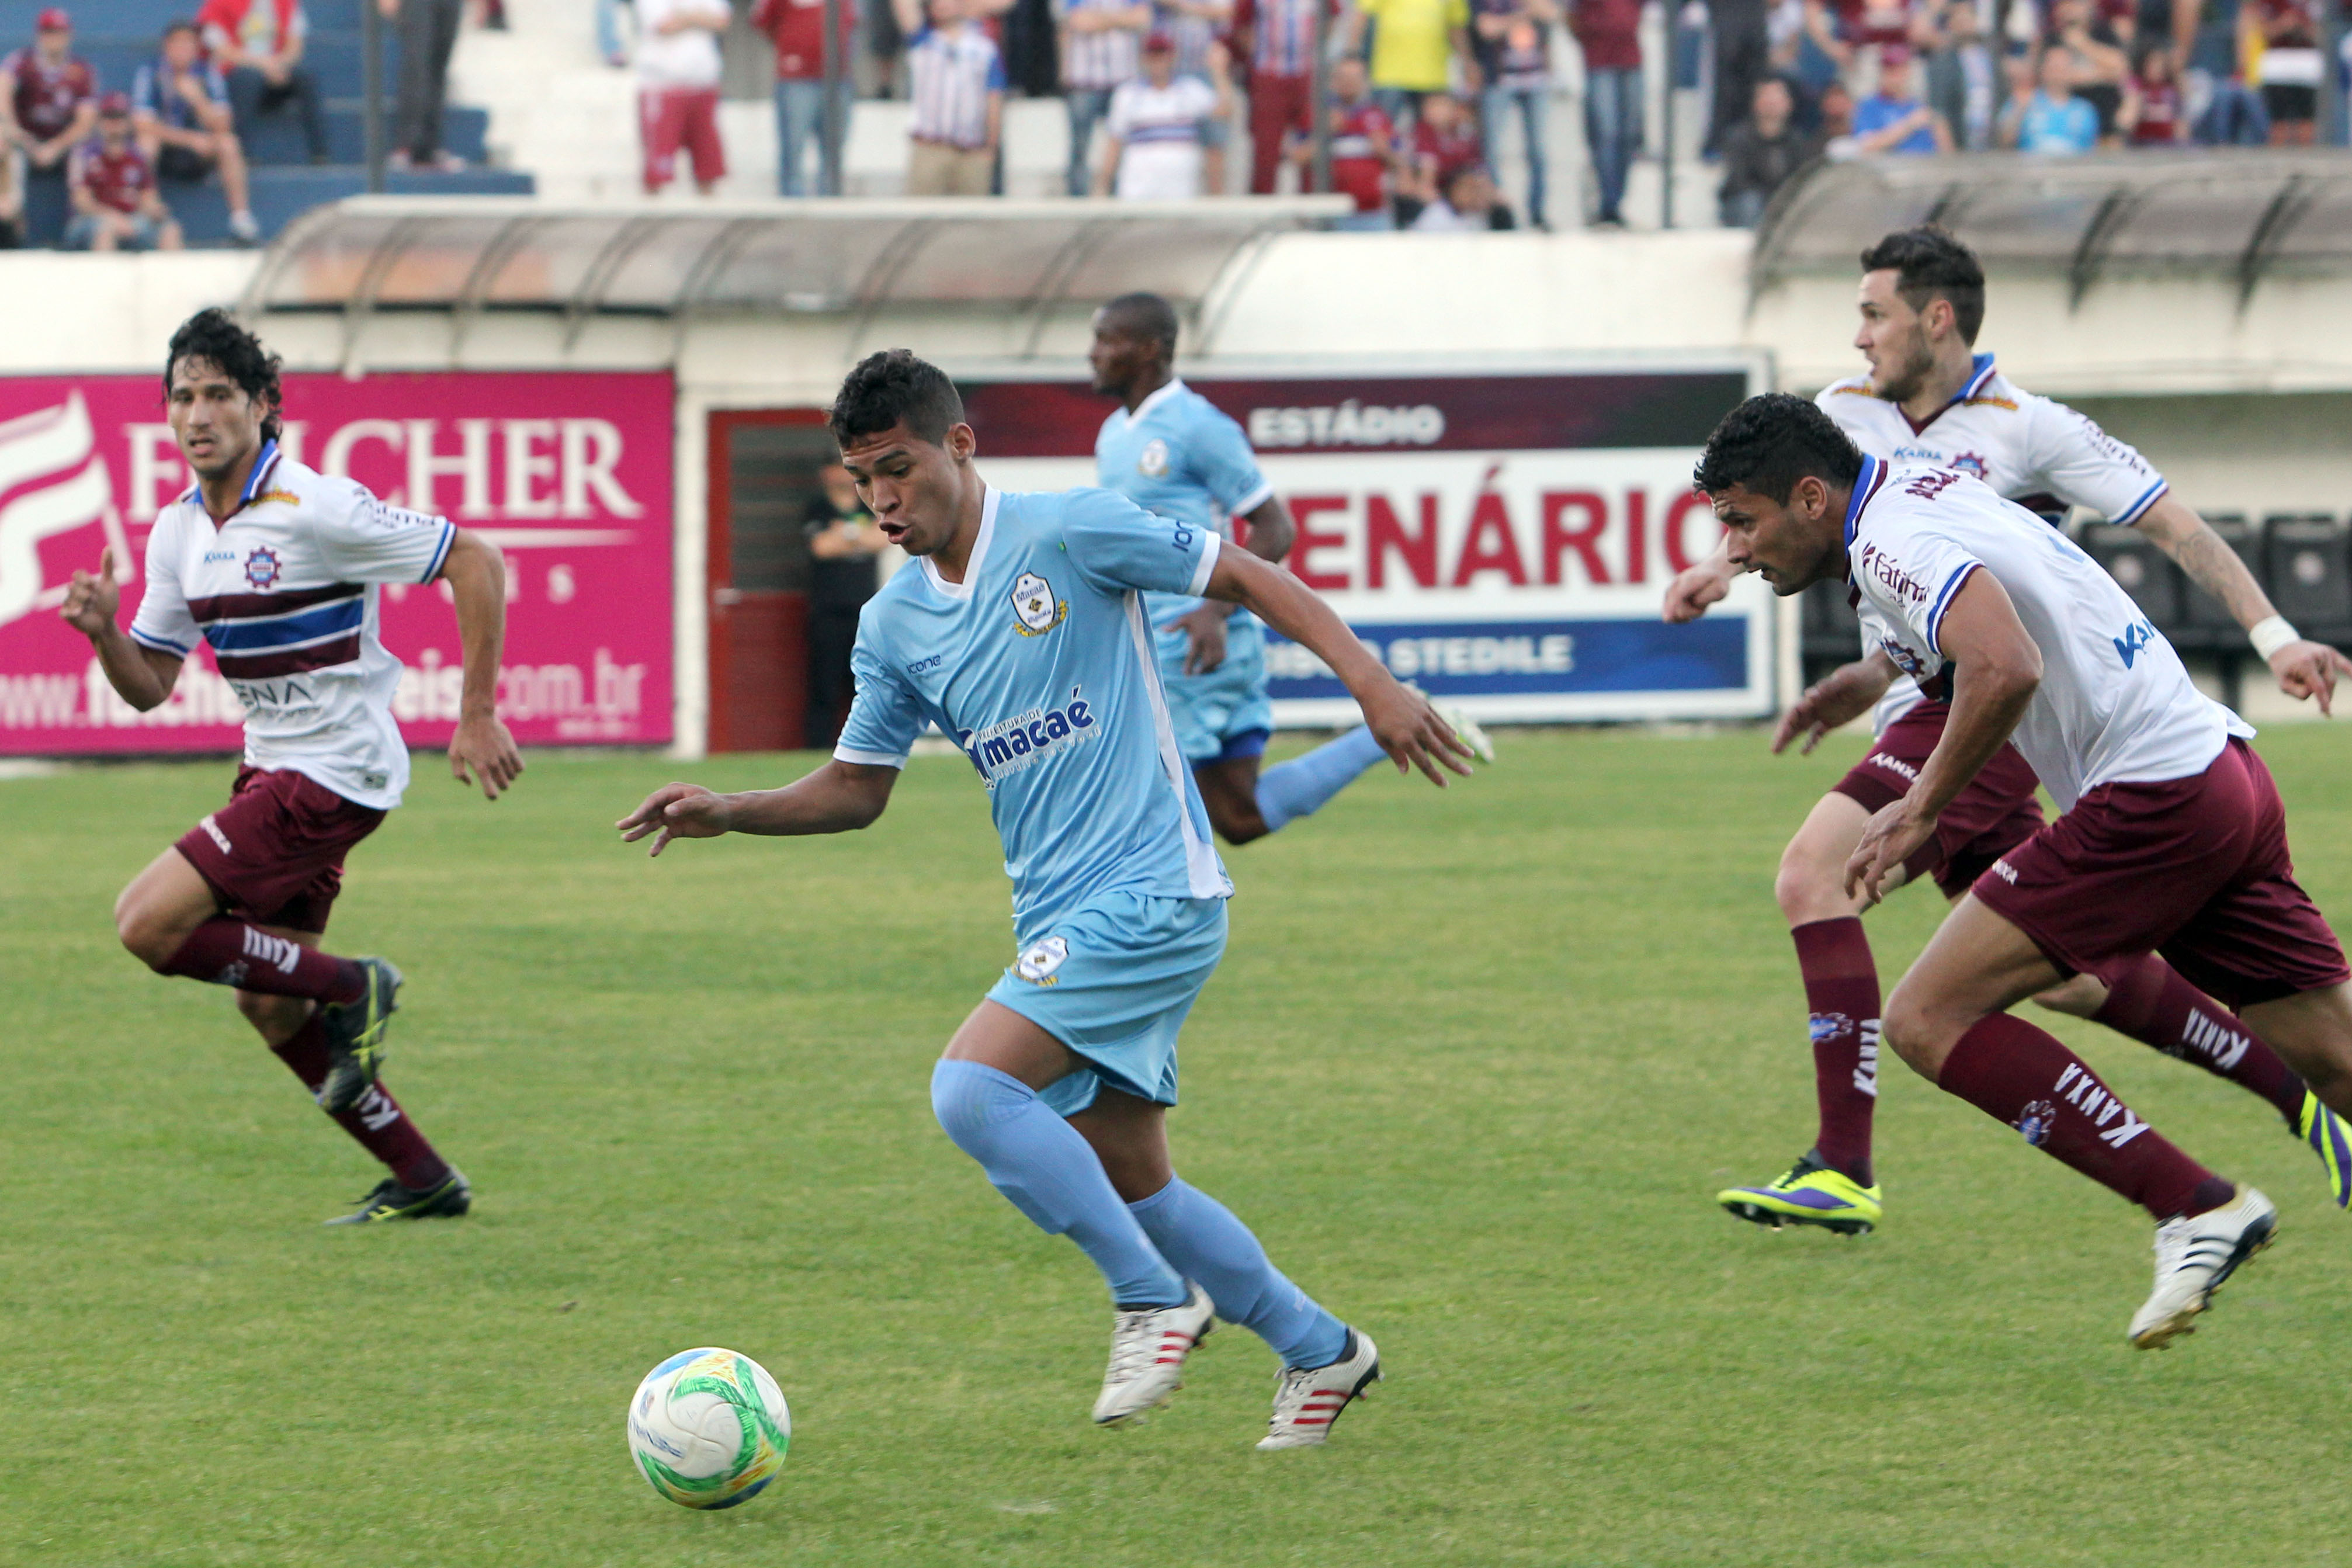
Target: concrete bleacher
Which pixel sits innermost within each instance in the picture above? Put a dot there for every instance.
(118, 37)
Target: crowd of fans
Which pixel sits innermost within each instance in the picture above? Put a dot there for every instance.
(186, 114)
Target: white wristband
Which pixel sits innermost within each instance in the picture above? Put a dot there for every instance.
(2271, 634)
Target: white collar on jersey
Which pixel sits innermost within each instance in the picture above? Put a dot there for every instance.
(1175, 384)
(978, 552)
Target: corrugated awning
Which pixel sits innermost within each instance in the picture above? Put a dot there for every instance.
(2245, 213)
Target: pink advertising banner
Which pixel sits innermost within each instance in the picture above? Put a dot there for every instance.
(568, 474)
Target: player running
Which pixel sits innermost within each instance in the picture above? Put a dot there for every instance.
(2172, 838)
(1173, 452)
(1020, 631)
(1930, 397)
(276, 566)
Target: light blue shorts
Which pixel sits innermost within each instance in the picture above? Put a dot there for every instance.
(1113, 980)
(1208, 710)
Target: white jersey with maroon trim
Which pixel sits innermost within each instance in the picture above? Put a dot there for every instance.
(2042, 455)
(2114, 706)
(284, 592)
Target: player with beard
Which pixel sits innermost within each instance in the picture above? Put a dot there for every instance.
(276, 566)
(1174, 453)
(1930, 397)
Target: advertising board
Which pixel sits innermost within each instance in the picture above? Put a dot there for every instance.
(568, 474)
(1503, 538)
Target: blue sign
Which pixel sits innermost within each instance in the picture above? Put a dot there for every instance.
(1464, 658)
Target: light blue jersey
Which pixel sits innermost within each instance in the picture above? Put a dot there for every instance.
(1181, 457)
(1039, 665)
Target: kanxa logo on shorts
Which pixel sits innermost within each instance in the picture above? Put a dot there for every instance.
(262, 567)
(1040, 959)
(1035, 609)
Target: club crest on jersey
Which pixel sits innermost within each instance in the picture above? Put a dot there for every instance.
(1969, 463)
(1154, 463)
(1040, 959)
(262, 567)
(1034, 606)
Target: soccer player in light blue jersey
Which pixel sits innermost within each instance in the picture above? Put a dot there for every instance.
(1174, 453)
(1019, 629)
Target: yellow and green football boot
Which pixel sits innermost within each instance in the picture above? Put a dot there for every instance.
(1810, 1193)
(2324, 1130)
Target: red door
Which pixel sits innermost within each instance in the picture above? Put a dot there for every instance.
(764, 477)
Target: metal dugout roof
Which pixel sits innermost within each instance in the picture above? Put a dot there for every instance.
(2245, 213)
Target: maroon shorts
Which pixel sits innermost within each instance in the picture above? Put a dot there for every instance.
(1995, 814)
(2194, 869)
(680, 119)
(274, 853)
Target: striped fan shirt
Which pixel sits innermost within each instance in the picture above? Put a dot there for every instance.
(1282, 35)
(285, 594)
(952, 73)
(1098, 61)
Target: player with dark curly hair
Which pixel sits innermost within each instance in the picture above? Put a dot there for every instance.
(278, 568)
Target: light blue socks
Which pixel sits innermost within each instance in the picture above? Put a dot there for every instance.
(1201, 1236)
(1051, 1173)
(1300, 787)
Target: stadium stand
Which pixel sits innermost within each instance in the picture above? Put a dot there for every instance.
(118, 37)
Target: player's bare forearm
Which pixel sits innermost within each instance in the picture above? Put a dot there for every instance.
(482, 751)
(1271, 532)
(142, 676)
(2208, 559)
(1843, 695)
(1408, 729)
(839, 797)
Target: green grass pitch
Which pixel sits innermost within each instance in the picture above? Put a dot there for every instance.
(1474, 1067)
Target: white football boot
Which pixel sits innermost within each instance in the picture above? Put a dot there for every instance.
(2193, 1256)
(1146, 1357)
(1472, 733)
(1308, 1399)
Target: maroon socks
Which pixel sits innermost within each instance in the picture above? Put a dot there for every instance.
(2149, 1000)
(223, 952)
(1842, 992)
(2015, 1073)
(377, 1122)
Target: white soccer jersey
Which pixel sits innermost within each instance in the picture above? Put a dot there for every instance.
(2114, 706)
(284, 592)
(2043, 455)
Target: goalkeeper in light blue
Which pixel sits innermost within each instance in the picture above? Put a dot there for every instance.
(1019, 629)
(1174, 453)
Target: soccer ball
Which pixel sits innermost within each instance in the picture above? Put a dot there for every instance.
(708, 1428)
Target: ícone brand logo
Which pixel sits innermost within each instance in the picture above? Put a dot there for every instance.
(1039, 960)
(1153, 462)
(1034, 606)
(1028, 739)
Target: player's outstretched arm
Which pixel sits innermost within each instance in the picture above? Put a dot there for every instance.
(1998, 667)
(1840, 697)
(1696, 587)
(144, 676)
(2303, 668)
(477, 575)
(1407, 727)
(837, 798)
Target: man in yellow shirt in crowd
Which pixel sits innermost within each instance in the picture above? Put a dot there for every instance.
(1411, 41)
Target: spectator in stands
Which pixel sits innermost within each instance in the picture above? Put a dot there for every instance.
(1835, 114)
(2053, 119)
(180, 112)
(1100, 41)
(12, 196)
(1514, 49)
(957, 89)
(1443, 139)
(678, 68)
(2153, 115)
(112, 188)
(1152, 145)
(1467, 202)
(610, 42)
(2288, 63)
(427, 31)
(1897, 118)
(1608, 32)
(797, 29)
(843, 541)
(1277, 38)
(1414, 43)
(1363, 148)
(257, 46)
(52, 97)
(1742, 31)
(1761, 153)
(1964, 77)
(1198, 28)
(2096, 40)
